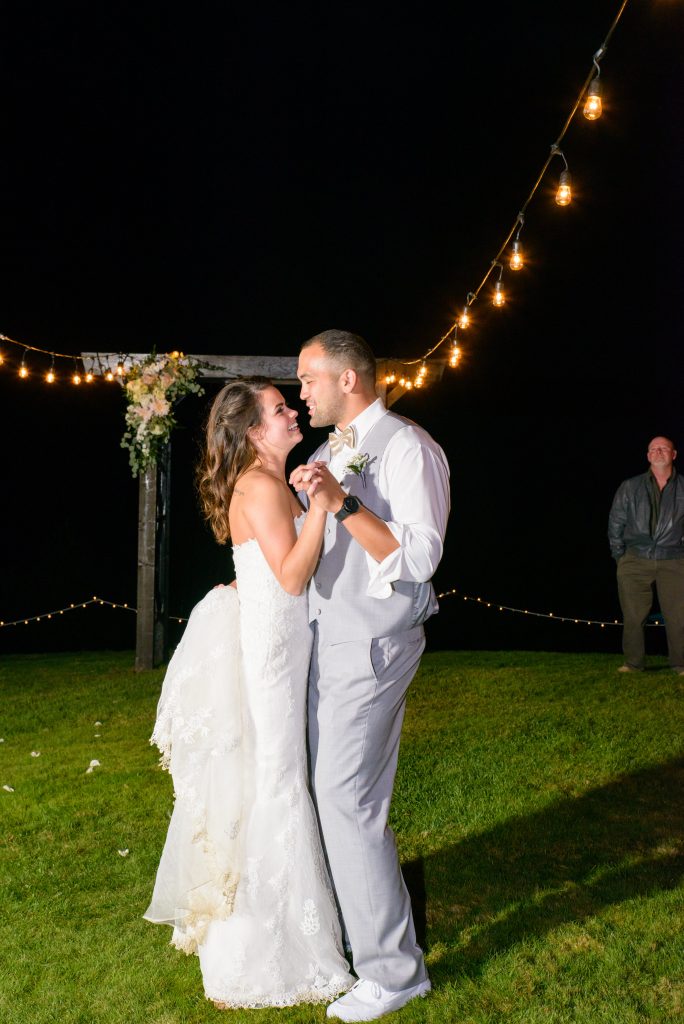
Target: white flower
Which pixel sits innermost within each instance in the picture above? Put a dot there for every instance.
(357, 462)
(35, 753)
(97, 723)
(93, 764)
(8, 789)
(123, 853)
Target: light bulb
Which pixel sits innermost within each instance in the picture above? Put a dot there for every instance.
(564, 193)
(408, 385)
(402, 381)
(23, 371)
(76, 379)
(89, 377)
(418, 382)
(50, 376)
(516, 261)
(499, 298)
(423, 370)
(455, 356)
(464, 319)
(119, 369)
(2, 359)
(593, 108)
(109, 375)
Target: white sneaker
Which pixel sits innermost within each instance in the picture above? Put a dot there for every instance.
(366, 1000)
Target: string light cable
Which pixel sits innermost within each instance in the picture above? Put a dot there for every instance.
(537, 615)
(590, 88)
(94, 600)
(483, 602)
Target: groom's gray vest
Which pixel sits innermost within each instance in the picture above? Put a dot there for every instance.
(338, 601)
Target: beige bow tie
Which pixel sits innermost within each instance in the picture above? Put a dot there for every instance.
(338, 441)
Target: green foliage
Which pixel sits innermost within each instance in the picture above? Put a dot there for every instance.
(538, 811)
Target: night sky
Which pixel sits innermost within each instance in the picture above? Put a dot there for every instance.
(230, 180)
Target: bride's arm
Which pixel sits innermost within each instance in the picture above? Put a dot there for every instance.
(267, 509)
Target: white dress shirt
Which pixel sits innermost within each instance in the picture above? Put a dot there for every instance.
(414, 480)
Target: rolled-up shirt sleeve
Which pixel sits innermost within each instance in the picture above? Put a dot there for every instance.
(414, 478)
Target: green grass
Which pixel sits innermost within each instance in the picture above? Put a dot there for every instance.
(538, 810)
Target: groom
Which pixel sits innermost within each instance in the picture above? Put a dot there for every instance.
(387, 495)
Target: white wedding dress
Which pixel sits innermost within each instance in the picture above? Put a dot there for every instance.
(242, 878)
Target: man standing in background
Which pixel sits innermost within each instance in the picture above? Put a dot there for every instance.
(646, 534)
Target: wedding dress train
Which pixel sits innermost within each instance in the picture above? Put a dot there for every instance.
(242, 878)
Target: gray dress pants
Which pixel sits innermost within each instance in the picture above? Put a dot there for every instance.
(357, 696)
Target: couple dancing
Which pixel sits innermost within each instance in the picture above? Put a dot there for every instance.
(244, 878)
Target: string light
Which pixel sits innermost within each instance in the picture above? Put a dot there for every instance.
(50, 375)
(455, 357)
(120, 369)
(109, 376)
(464, 319)
(2, 358)
(73, 606)
(538, 615)
(89, 377)
(593, 108)
(23, 369)
(564, 193)
(499, 297)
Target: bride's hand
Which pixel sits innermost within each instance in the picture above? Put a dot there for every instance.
(325, 490)
(302, 477)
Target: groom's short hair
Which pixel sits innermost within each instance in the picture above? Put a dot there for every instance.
(347, 351)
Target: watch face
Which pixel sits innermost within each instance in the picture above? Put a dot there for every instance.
(350, 504)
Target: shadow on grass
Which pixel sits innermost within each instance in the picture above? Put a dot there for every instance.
(564, 864)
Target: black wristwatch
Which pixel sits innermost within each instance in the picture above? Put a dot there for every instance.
(350, 506)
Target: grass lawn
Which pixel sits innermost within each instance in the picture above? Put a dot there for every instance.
(539, 811)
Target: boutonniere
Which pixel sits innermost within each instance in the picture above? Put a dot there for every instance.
(357, 465)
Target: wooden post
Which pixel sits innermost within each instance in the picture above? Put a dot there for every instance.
(161, 589)
(147, 507)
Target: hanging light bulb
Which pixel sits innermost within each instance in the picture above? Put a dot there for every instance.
(516, 261)
(499, 298)
(76, 378)
(50, 375)
(120, 368)
(455, 355)
(408, 385)
(593, 108)
(23, 369)
(109, 375)
(464, 319)
(89, 377)
(2, 358)
(564, 193)
(422, 371)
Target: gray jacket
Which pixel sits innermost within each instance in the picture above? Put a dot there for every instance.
(629, 523)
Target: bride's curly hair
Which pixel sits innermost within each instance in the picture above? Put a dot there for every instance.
(228, 450)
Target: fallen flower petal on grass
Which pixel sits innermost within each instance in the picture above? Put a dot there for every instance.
(8, 789)
(97, 735)
(93, 764)
(98, 723)
(35, 753)
(123, 853)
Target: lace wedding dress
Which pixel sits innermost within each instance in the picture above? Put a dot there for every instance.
(242, 878)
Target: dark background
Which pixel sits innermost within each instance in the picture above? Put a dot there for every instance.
(223, 180)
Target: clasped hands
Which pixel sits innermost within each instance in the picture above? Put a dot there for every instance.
(320, 486)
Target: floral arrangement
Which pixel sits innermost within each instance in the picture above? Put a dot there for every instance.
(152, 386)
(357, 464)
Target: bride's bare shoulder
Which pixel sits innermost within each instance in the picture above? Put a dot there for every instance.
(258, 484)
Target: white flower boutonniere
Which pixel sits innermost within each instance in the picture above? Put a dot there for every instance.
(357, 464)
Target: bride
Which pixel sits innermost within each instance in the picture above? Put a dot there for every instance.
(242, 879)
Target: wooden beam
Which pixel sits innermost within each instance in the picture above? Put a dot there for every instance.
(147, 516)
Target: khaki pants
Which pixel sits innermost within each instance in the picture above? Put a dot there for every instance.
(636, 577)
